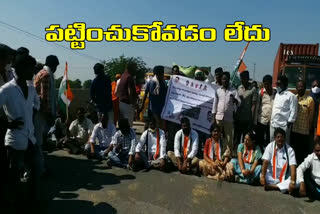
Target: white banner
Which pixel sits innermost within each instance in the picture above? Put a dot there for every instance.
(190, 98)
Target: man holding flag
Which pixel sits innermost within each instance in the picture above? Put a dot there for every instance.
(240, 67)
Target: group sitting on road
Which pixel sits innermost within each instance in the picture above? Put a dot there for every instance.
(257, 136)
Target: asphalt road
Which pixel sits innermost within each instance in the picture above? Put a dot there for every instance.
(77, 185)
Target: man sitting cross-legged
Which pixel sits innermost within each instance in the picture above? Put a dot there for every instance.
(185, 149)
(122, 148)
(154, 154)
(103, 132)
(79, 132)
(279, 165)
(308, 173)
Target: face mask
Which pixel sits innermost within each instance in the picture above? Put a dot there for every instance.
(315, 90)
(279, 89)
(8, 67)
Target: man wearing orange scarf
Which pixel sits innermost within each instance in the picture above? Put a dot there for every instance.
(154, 156)
(186, 144)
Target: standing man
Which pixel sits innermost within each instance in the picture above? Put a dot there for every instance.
(246, 110)
(45, 85)
(5, 64)
(126, 91)
(157, 91)
(101, 93)
(115, 99)
(227, 99)
(264, 109)
(186, 144)
(303, 125)
(218, 78)
(284, 110)
(20, 100)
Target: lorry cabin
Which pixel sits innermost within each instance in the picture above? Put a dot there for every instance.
(297, 62)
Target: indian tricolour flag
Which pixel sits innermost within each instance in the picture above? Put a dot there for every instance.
(65, 95)
(239, 68)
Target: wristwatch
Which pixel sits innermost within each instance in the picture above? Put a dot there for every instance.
(292, 182)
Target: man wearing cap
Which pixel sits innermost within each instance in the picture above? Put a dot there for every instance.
(246, 110)
(157, 90)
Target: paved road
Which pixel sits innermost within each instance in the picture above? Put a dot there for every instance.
(78, 185)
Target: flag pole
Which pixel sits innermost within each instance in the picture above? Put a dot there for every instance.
(67, 106)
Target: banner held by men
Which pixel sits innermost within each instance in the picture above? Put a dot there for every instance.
(190, 98)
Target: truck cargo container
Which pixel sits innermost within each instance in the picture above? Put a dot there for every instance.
(297, 62)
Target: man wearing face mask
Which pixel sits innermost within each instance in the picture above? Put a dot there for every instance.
(45, 85)
(185, 148)
(303, 124)
(284, 110)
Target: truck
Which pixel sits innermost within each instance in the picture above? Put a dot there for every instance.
(297, 62)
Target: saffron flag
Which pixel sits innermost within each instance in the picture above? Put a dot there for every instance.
(235, 80)
(242, 67)
(65, 95)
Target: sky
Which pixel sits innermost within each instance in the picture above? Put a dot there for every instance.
(290, 21)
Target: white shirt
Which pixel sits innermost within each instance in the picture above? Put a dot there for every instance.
(152, 143)
(81, 131)
(285, 107)
(16, 106)
(281, 158)
(104, 135)
(192, 147)
(224, 107)
(312, 162)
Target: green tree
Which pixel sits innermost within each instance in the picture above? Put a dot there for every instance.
(117, 66)
(87, 84)
(75, 84)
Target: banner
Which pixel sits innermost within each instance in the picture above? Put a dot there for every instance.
(192, 99)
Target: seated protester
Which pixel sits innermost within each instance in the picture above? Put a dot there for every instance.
(103, 132)
(58, 132)
(185, 148)
(308, 174)
(122, 148)
(246, 167)
(154, 155)
(216, 156)
(80, 131)
(279, 165)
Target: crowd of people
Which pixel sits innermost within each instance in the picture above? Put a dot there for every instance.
(259, 136)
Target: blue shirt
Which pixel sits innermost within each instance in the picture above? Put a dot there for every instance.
(101, 93)
(156, 102)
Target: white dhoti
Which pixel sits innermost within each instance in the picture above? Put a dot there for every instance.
(283, 186)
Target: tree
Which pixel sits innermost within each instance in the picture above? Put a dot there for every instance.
(117, 66)
(86, 84)
(75, 84)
